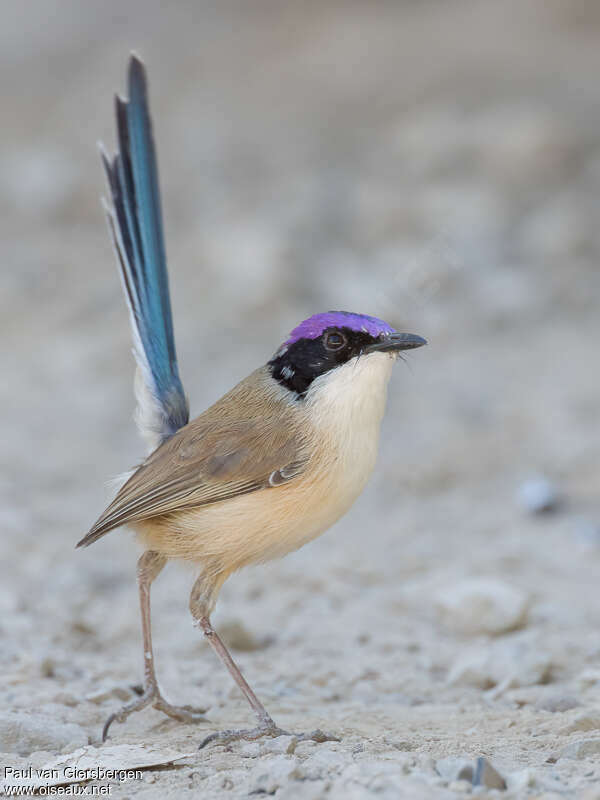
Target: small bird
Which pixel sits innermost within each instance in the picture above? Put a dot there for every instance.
(270, 466)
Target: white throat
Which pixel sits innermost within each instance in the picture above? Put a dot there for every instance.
(346, 407)
(352, 395)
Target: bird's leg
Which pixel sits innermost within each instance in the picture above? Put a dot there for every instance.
(149, 566)
(266, 725)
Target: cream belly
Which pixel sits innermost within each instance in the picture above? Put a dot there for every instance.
(269, 523)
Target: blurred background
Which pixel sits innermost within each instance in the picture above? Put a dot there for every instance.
(434, 163)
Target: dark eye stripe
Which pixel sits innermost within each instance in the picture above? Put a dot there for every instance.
(306, 359)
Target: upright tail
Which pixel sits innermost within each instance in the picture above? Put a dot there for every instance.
(135, 222)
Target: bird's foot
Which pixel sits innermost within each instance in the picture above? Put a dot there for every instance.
(152, 696)
(268, 728)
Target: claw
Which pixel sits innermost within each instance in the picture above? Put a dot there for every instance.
(107, 725)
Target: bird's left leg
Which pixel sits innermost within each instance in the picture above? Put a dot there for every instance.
(200, 606)
(149, 565)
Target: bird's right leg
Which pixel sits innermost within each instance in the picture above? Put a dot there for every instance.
(201, 603)
(149, 566)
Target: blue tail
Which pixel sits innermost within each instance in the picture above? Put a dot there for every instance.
(136, 226)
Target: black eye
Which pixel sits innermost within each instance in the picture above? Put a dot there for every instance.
(335, 340)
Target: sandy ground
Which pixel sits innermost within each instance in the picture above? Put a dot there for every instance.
(433, 163)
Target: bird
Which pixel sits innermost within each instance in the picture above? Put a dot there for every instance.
(269, 466)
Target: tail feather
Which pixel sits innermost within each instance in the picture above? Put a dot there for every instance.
(135, 223)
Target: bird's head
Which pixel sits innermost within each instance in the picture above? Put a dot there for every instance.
(324, 342)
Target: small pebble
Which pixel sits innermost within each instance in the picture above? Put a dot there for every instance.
(509, 663)
(483, 605)
(538, 495)
(487, 775)
(48, 667)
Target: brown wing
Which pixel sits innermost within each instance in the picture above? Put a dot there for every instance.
(213, 458)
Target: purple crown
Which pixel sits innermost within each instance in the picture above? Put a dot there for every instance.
(314, 326)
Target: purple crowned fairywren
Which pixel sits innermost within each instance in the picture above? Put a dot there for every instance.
(270, 466)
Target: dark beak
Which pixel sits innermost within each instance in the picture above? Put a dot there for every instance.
(396, 341)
